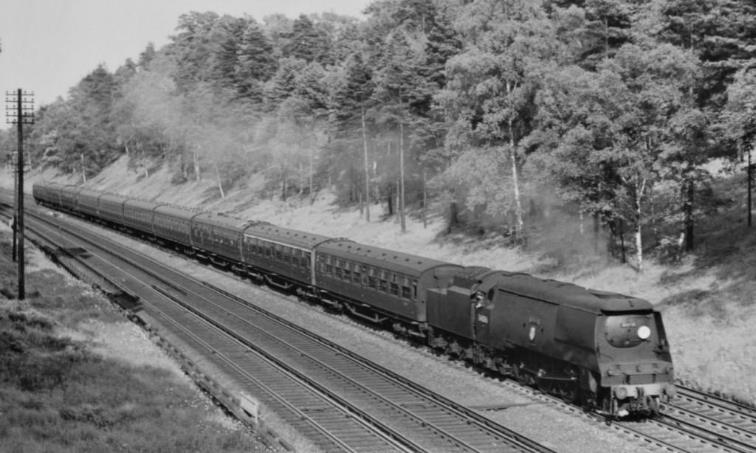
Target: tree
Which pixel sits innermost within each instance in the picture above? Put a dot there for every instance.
(147, 55)
(351, 100)
(397, 92)
(306, 42)
(492, 83)
(193, 48)
(738, 120)
(283, 82)
(255, 63)
(609, 130)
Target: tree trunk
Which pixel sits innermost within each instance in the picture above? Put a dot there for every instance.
(83, 170)
(640, 188)
(750, 187)
(401, 177)
(453, 217)
(623, 254)
(425, 203)
(283, 185)
(581, 214)
(195, 159)
(367, 169)
(302, 180)
(519, 224)
(312, 190)
(218, 179)
(688, 211)
(397, 190)
(390, 200)
(596, 231)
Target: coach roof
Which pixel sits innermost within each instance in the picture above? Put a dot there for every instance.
(286, 236)
(221, 221)
(176, 211)
(142, 204)
(380, 257)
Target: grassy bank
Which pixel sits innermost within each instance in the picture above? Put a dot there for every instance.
(65, 387)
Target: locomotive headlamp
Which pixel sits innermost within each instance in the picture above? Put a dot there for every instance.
(620, 393)
(644, 332)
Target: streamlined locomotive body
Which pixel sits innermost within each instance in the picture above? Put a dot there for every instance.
(602, 349)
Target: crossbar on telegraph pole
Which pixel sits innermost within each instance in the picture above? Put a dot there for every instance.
(23, 114)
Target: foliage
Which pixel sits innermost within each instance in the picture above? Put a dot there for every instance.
(601, 101)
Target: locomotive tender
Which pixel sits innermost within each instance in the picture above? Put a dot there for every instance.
(603, 350)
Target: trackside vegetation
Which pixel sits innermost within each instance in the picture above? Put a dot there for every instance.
(57, 394)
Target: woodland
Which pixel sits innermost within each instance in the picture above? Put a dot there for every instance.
(497, 112)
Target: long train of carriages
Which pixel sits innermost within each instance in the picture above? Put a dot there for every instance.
(602, 350)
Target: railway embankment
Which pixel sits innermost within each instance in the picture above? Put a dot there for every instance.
(75, 375)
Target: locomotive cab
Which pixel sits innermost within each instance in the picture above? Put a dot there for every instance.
(634, 362)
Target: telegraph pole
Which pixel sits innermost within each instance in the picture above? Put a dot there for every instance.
(23, 114)
(750, 185)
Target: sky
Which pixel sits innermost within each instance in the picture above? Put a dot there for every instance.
(48, 46)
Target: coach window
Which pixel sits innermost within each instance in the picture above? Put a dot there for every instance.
(372, 281)
(347, 271)
(414, 290)
(356, 275)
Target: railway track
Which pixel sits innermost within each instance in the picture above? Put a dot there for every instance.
(730, 425)
(404, 415)
(695, 422)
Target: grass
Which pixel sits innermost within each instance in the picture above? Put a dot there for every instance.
(57, 395)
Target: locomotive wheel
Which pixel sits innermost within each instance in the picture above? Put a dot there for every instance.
(517, 374)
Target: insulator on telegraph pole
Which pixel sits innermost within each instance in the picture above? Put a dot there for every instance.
(23, 113)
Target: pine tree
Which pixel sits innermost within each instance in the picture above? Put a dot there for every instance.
(306, 42)
(348, 118)
(255, 62)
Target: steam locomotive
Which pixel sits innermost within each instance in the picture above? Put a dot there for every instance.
(605, 351)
